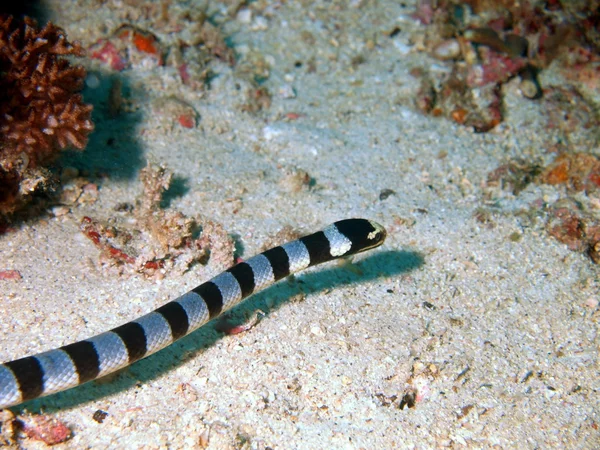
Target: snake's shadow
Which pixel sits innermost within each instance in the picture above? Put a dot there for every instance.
(381, 265)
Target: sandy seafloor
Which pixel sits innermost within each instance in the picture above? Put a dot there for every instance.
(498, 335)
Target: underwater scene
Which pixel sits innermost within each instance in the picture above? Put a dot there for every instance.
(279, 224)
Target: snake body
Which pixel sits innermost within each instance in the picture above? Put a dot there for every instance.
(74, 364)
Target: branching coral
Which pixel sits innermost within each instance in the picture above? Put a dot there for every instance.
(41, 112)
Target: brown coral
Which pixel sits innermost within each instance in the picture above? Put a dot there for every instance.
(41, 112)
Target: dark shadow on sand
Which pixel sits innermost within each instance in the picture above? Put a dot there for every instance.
(113, 150)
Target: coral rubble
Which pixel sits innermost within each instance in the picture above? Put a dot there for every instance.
(161, 240)
(486, 43)
(41, 111)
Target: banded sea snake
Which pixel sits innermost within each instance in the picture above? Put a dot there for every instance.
(69, 366)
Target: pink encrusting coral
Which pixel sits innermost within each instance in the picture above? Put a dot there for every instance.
(41, 111)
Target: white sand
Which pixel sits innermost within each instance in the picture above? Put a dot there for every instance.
(508, 356)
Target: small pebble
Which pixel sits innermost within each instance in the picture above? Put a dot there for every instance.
(90, 188)
(10, 275)
(529, 85)
(244, 15)
(449, 49)
(591, 303)
(402, 47)
(260, 24)
(316, 330)
(99, 415)
(58, 211)
(287, 91)
(385, 193)
(418, 367)
(270, 132)
(295, 180)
